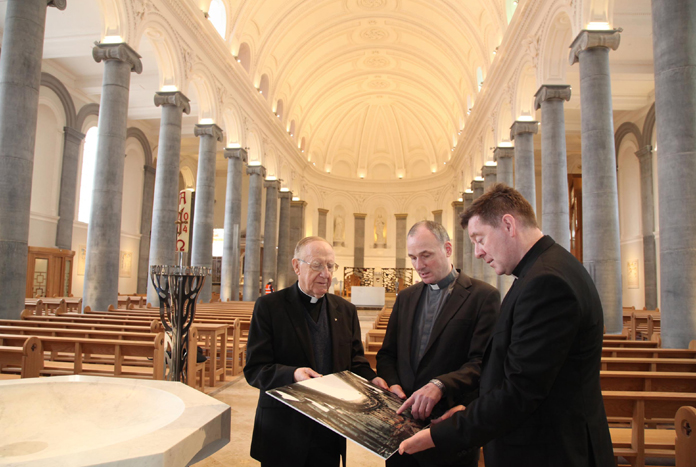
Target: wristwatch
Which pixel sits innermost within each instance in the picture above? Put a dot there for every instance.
(439, 384)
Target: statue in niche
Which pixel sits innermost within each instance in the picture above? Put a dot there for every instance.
(380, 232)
(339, 231)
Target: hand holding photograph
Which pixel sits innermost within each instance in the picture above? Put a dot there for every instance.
(354, 408)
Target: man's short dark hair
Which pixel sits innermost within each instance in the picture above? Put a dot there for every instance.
(434, 228)
(499, 200)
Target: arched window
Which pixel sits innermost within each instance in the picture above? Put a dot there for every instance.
(218, 16)
(510, 7)
(244, 56)
(89, 162)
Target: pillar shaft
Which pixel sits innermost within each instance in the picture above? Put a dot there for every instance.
(229, 274)
(68, 187)
(297, 232)
(252, 251)
(437, 216)
(270, 232)
(648, 226)
(467, 250)
(359, 239)
(321, 225)
(477, 264)
(600, 227)
(20, 78)
(525, 176)
(202, 245)
(400, 240)
(285, 247)
(165, 205)
(675, 109)
(555, 208)
(489, 180)
(458, 236)
(504, 156)
(104, 232)
(145, 229)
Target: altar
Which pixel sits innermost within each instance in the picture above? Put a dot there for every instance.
(367, 296)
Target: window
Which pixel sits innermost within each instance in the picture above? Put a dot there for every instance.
(89, 162)
(218, 16)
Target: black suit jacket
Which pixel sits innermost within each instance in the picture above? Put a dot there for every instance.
(456, 345)
(540, 402)
(278, 344)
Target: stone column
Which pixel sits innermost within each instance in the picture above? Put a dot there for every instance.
(104, 232)
(437, 216)
(600, 226)
(252, 251)
(165, 207)
(504, 157)
(270, 232)
(145, 229)
(525, 177)
(457, 236)
(20, 79)
(202, 245)
(68, 187)
(322, 222)
(489, 173)
(297, 232)
(467, 251)
(285, 247)
(400, 241)
(675, 107)
(648, 226)
(229, 273)
(477, 264)
(555, 207)
(359, 239)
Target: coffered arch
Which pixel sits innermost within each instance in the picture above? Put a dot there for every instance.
(167, 53)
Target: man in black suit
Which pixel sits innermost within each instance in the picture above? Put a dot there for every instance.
(540, 400)
(436, 336)
(298, 333)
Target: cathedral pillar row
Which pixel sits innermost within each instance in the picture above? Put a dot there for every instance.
(165, 205)
(145, 229)
(321, 231)
(675, 109)
(648, 226)
(68, 187)
(229, 273)
(555, 208)
(285, 247)
(600, 224)
(270, 232)
(467, 250)
(104, 231)
(477, 264)
(401, 239)
(522, 133)
(504, 156)
(490, 178)
(20, 79)
(202, 245)
(458, 236)
(252, 250)
(359, 239)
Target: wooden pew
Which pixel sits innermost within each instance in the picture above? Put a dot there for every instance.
(636, 352)
(74, 325)
(685, 425)
(27, 356)
(657, 381)
(649, 364)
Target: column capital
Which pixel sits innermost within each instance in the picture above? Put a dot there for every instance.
(359, 215)
(235, 153)
(401, 216)
(73, 134)
(522, 127)
(149, 169)
(503, 153)
(549, 92)
(175, 98)
(208, 129)
(59, 4)
(458, 204)
(437, 211)
(322, 211)
(122, 52)
(476, 184)
(488, 170)
(272, 184)
(468, 197)
(591, 39)
(299, 203)
(285, 195)
(256, 170)
(645, 154)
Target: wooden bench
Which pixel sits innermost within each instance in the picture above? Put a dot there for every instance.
(637, 352)
(649, 364)
(685, 425)
(27, 357)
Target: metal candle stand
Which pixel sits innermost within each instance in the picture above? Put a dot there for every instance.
(177, 288)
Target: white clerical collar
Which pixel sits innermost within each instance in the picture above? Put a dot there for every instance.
(311, 298)
(446, 281)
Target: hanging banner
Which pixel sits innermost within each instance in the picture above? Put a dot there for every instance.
(184, 220)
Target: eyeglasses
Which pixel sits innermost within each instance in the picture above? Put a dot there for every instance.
(318, 266)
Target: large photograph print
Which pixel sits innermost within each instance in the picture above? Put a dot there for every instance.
(354, 408)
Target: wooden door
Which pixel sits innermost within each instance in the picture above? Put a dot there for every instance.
(575, 197)
(49, 272)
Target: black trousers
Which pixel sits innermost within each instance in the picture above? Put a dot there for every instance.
(325, 449)
(430, 459)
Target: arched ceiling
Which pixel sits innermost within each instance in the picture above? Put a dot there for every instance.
(378, 88)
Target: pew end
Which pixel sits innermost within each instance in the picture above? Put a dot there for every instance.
(685, 425)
